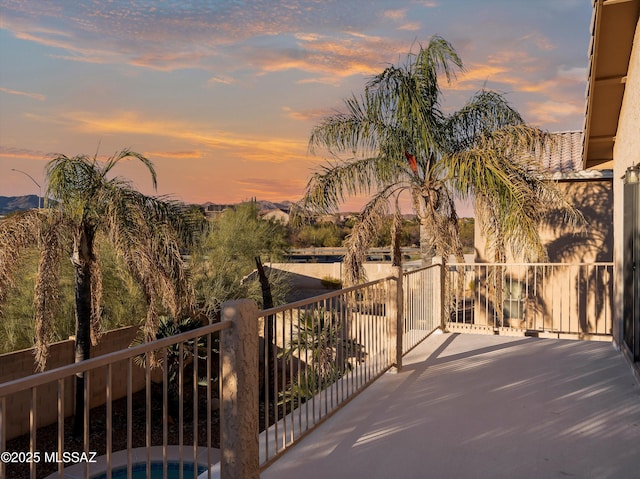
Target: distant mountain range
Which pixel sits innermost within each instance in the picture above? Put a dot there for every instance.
(11, 204)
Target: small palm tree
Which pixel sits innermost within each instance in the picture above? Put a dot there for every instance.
(397, 138)
(323, 341)
(82, 202)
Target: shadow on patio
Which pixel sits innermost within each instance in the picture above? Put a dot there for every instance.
(473, 406)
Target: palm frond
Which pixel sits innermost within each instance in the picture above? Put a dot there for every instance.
(17, 233)
(483, 114)
(146, 234)
(334, 183)
(512, 190)
(369, 221)
(52, 241)
(128, 154)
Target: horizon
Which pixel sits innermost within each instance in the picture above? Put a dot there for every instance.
(222, 99)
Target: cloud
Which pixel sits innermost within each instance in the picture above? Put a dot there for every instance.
(224, 79)
(34, 96)
(167, 61)
(272, 189)
(551, 112)
(250, 147)
(328, 58)
(313, 115)
(24, 154)
(410, 27)
(225, 37)
(175, 154)
(542, 42)
(399, 14)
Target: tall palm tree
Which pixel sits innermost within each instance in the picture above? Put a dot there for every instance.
(82, 201)
(396, 137)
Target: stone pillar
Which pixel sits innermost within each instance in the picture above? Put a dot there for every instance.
(239, 454)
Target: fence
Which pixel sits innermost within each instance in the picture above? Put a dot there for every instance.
(559, 298)
(423, 294)
(219, 385)
(172, 396)
(327, 349)
(21, 364)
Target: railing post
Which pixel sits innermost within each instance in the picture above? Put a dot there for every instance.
(397, 320)
(239, 454)
(440, 296)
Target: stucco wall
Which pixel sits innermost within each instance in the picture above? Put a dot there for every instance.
(566, 244)
(310, 273)
(20, 364)
(626, 153)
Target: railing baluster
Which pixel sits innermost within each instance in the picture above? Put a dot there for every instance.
(209, 345)
(129, 416)
(87, 408)
(195, 407)
(181, 407)
(3, 433)
(60, 426)
(286, 427)
(109, 412)
(32, 429)
(147, 372)
(165, 412)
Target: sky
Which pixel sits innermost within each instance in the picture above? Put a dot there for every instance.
(221, 95)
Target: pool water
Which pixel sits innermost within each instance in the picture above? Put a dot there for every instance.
(139, 471)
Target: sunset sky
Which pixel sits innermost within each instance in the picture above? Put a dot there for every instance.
(221, 95)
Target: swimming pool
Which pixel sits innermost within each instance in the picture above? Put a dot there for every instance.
(139, 471)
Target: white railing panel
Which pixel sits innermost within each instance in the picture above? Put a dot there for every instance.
(545, 297)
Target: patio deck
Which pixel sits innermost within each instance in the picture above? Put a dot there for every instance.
(472, 406)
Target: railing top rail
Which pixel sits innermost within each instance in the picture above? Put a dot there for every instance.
(322, 297)
(599, 263)
(27, 382)
(422, 268)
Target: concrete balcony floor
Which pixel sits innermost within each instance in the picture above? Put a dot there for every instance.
(472, 406)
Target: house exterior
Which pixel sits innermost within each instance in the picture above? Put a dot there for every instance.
(612, 141)
(275, 214)
(569, 294)
(589, 191)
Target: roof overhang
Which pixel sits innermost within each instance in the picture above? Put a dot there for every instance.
(612, 29)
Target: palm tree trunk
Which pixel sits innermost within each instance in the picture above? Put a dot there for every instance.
(269, 334)
(427, 251)
(396, 230)
(81, 259)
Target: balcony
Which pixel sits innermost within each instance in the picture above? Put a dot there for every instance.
(362, 381)
(473, 406)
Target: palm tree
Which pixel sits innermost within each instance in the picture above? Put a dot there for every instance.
(82, 202)
(396, 137)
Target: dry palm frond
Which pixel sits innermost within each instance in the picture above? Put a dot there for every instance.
(95, 270)
(47, 284)
(370, 220)
(17, 233)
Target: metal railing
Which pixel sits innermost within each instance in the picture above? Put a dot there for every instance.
(545, 297)
(422, 299)
(176, 406)
(319, 353)
(314, 356)
(327, 349)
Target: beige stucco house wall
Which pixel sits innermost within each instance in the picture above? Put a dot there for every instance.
(589, 191)
(612, 123)
(567, 299)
